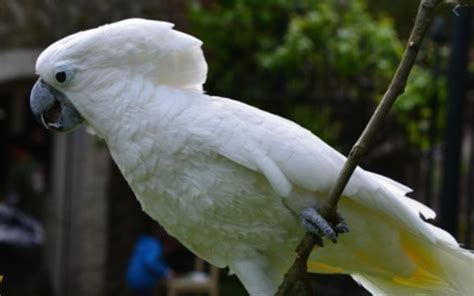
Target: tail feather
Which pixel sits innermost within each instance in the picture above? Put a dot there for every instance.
(442, 269)
(391, 250)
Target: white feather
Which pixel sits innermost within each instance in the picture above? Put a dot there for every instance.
(153, 48)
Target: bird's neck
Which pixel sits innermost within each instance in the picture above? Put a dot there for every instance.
(135, 108)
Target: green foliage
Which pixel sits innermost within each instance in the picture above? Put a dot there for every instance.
(345, 40)
(303, 58)
(414, 107)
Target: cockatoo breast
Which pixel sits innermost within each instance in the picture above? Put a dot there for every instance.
(210, 203)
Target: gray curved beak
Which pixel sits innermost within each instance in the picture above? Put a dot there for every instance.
(52, 109)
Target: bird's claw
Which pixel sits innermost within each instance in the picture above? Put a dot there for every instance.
(341, 227)
(314, 223)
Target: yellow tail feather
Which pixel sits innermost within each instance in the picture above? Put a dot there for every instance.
(318, 267)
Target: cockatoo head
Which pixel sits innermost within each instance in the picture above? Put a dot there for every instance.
(75, 70)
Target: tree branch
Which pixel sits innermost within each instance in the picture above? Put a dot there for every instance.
(298, 271)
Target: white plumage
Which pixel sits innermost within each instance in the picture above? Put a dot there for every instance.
(229, 180)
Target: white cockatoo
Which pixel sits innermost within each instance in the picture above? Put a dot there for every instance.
(234, 183)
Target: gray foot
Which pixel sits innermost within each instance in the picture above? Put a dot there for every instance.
(313, 222)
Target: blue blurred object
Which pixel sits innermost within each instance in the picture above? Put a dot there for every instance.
(146, 266)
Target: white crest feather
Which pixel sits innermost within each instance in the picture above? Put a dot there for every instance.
(151, 48)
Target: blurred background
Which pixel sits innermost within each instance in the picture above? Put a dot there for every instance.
(68, 221)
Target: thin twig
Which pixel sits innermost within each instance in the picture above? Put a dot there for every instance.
(297, 272)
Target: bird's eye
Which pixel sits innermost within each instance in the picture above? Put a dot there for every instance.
(61, 76)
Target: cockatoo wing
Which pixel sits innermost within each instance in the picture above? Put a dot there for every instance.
(290, 156)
